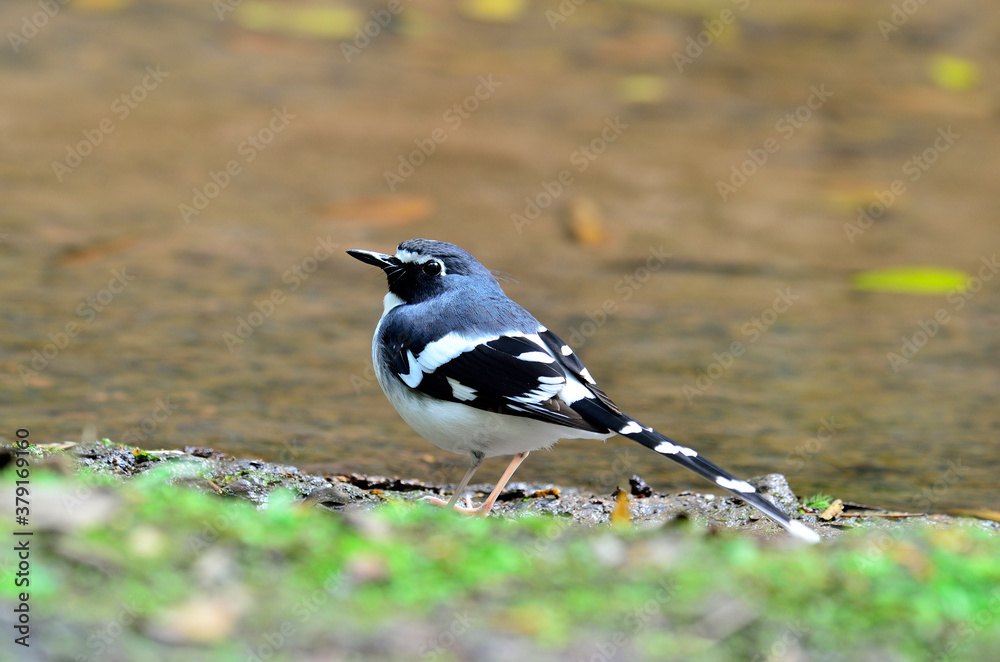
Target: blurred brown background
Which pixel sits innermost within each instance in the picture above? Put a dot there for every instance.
(176, 171)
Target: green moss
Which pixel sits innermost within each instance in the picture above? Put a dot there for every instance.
(341, 581)
(819, 501)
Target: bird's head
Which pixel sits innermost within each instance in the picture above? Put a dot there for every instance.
(423, 268)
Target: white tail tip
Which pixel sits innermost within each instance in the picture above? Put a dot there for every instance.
(803, 532)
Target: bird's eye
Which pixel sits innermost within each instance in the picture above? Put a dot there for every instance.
(432, 267)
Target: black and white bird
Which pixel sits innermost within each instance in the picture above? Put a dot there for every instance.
(474, 373)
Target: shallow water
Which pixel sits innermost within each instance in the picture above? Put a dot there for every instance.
(226, 170)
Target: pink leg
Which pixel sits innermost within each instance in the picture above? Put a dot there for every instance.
(488, 504)
(476, 462)
(502, 483)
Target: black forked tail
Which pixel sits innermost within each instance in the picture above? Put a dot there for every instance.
(591, 410)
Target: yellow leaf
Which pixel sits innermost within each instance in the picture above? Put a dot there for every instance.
(584, 222)
(953, 73)
(493, 11)
(835, 509)
(911, 280)
(622, 514)
(642, 88)
(307, 21)
(101, 5)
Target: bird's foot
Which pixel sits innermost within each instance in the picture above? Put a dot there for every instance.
(467, 509)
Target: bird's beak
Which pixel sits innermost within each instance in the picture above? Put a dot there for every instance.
(380, 260)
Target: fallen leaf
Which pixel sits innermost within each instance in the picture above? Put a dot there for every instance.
(953, 73)
(584, 223)
(301, 20)
(622, 514)
(493, 11)
(910, 280)
(642, 88)
(832, 511)
(96, 250)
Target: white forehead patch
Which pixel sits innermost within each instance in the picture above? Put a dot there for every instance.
(410, 256)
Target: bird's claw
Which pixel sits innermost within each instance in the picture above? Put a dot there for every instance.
(467, 509)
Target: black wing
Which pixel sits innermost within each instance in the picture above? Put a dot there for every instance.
(515, 374)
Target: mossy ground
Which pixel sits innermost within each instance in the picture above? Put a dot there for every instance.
(144, 569)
